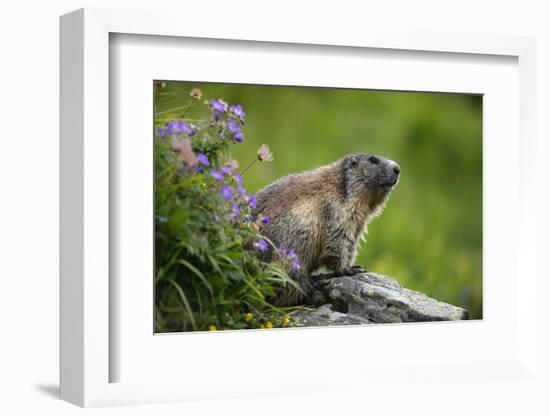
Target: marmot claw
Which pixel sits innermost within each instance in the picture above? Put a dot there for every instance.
(352, 271)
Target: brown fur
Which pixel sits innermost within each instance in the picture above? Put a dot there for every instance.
(322, 214)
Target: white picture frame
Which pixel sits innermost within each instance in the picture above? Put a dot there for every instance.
(85, 348)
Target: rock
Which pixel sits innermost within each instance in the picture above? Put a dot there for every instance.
(325, 316)
(371, 298)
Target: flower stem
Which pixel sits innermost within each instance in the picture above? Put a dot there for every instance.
(172, 110)
(248, 167)
(186, 110)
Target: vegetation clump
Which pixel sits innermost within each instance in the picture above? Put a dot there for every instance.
(207, 272)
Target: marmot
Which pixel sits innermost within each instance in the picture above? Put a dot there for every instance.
(322, 214)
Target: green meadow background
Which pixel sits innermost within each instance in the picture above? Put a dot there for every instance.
(429, 237)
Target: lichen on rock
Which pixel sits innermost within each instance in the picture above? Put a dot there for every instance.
(367, 298)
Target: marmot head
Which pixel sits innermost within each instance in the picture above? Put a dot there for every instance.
(368, 176)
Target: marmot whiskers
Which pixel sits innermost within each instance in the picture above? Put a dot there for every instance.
(322, 214)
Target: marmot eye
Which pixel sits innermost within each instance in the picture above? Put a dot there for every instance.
(374, 160)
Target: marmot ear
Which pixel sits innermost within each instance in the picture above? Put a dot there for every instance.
(353, 160)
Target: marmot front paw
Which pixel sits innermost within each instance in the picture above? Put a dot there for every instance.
(352, 271)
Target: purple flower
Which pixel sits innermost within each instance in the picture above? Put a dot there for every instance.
(233, 126)
(188, 129)
(238, 137)
(265, 220)
(236, 210)
(177, 127)
(219, 105)
(240, 186)
(241, 190)
(238, 111)
(226, 192)
(239, 179)
(217, 115)
(252, 201)
(227, 169)
(171, 128)
(203, 159)
(216, 174)
(261, 245)
(293, 257)
(235, 130)
(290, 257)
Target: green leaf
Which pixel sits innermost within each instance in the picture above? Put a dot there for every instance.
(197, 273)
(185, 303)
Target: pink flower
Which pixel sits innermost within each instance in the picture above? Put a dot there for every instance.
(196, 94)
(183, 147)
(227, 169)
(264, 154)
(233, 164)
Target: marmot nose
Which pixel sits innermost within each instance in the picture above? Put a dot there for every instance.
(396, 169)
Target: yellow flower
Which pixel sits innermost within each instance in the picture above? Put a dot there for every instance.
(212, 328)
(248, 317)
(269, 324)
(286, 321)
